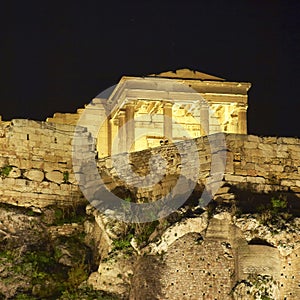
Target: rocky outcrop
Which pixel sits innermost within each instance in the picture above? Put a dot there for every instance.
(44, 255)
(213, 254)
(196, 253)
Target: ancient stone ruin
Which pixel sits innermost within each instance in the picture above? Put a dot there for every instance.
(222, 254)
(172, 105)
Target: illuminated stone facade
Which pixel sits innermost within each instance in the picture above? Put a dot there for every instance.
(143, 112)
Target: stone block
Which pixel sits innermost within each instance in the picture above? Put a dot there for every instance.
(282, 154)
(64, 128)
(250, 145)
(21, 182)
(19, 136)
(14, 173)
(282, 147)
(223, 190)
(249, 166)
(25, 164)
(51, 159)
(259, 259)
(253, 153)
(55, 176)
(20, 122)
(276, 168)
(266, 147)
(8, 181)
(254, 138)
(295, 148)
(235, 178)
(251, 172)
(295, 189)
(267, 155)
(258, 180)
(261, 168)
(205, 167)
(14, 161)
(287, 182)
(287, 140)
(269, 139)
(35, 175)
(229, 168)
(239, 171)
(37, 164)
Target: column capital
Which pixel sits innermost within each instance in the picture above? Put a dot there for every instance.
(129, 103)
(121, 113)
(242, 108)
(167, 104)
(203, 103)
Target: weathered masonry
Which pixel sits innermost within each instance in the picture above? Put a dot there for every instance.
(183, 107)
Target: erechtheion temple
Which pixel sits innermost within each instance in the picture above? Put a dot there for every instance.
(143, 112)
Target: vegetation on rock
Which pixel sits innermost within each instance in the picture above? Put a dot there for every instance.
(36, 263)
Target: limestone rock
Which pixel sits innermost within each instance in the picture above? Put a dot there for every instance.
(114, 275)
(35, 175)
(15, 172)
(55, 176)
(65, 257)
(261, 287)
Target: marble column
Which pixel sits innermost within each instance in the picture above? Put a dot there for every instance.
(204, 118)
(242, 120)
(167, 110)
(109, 135)
(122, 132)
(130, 128)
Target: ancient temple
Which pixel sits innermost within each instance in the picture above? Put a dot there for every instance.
(145, 112)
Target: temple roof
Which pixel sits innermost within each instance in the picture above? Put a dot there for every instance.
(187, 74)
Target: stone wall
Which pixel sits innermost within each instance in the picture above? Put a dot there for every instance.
(197, 269)
(36, 164)
(213, 263)
(259, 164)
(40, 156)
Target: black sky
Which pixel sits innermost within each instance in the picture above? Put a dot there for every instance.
(58, 56)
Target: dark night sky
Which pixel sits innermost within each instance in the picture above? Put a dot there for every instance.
(55, 57)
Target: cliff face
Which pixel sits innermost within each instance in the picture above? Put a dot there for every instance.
(217, 253)
(210, 255)
(45, 254)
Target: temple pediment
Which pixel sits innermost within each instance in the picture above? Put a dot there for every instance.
(187, 74)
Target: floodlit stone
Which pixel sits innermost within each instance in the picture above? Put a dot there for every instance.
(14, 172)
(55, 176)
(35, 175)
